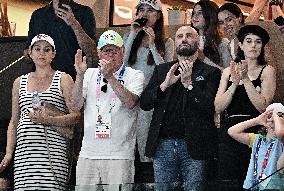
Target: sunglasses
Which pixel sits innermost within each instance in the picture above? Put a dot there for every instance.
(104, 87)
(280, 114)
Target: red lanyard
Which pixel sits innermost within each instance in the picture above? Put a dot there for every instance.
(265, 161)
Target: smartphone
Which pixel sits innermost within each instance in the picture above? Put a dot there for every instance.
(279, 21)
(61, 2)
(141, 22)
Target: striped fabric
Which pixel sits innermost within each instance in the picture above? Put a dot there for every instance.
(32, 169)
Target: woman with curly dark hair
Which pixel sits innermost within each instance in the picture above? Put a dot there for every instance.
(145, 47)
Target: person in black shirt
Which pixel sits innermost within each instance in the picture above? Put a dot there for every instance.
(182, 136)
(71, 26)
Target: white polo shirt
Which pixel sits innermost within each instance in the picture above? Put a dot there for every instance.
(121, 144)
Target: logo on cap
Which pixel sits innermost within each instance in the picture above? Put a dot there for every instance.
(110, 37)
(44, 37)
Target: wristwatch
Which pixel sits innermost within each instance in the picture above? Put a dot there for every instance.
(190, 87)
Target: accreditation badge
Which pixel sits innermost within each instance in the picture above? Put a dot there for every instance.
(103, 127)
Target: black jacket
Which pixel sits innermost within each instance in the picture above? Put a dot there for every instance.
(200, 131)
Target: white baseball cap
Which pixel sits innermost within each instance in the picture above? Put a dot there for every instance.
(278, 107)
(155, 4)
(44, 37)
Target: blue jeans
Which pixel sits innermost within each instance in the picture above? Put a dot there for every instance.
(172, 163)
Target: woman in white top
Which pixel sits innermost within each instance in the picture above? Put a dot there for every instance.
(145, 47)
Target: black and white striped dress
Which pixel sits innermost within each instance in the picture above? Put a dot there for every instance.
(32, 168)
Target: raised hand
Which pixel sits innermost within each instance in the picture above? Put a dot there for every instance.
(106, 68)
(80, 63)
(151, 34)
(66, 14)
(235, 73)
(134, 26)
(243, 70)
(265, 119)
(185, 70)
(171, 78)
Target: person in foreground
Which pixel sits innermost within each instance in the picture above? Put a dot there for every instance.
(267, 149)
(109, 95)
(182, 136)
(41, 151)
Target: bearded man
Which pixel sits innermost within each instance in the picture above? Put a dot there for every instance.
(182, 136)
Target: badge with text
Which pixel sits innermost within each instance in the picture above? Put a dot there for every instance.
(102, 128)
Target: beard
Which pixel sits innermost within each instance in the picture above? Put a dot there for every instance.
(187, 50)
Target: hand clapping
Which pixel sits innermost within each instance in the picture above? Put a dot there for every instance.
(185, 70)
(106, 68)
(239, 71)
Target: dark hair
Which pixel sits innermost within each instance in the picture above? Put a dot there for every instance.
(159, 41)
(52, 64)
(212, 36)
(241, 56)
(234, 9)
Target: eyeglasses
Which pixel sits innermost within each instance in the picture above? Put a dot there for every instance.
(109, 50)
(104, 87)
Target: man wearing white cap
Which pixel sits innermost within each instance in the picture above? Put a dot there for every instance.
(109, 95)
(267, 149)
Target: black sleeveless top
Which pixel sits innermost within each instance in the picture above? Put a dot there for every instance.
(241, 104)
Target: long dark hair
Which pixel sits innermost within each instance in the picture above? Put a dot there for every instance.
(212, 36)
(234, 9)
(241, 55)
(159, 41)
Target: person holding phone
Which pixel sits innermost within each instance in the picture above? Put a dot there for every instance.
(146, 47)
(246, 88)
(71, 25)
